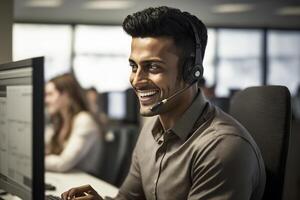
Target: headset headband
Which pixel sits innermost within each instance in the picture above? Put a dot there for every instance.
(198, 56)
(197, 69)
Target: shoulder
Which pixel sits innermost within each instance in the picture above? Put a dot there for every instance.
(83, 117)
(223, 126)
(227, 144)
(84, 123)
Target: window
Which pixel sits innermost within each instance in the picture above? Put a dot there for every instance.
(233, 57)
(239, 63)
(284, 59)
(51, 41)
(209, 57)
(101, 57)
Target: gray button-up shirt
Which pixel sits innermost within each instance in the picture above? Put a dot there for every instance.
(207, 155)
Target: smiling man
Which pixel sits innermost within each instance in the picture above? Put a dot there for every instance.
(187, 149)
(155, 76)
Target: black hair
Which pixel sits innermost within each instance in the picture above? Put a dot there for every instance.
(169, 22)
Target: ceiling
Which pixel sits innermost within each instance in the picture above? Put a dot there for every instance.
(257, 13)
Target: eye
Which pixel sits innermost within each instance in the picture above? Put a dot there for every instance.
(154, 67)
(133, 67)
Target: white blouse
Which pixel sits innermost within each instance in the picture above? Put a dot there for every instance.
(83, 149)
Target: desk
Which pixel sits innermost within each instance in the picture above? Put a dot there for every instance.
(65, 181)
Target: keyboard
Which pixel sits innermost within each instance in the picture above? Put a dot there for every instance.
(50, 187)
(52, 197)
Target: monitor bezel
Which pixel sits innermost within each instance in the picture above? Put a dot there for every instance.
(38, 176)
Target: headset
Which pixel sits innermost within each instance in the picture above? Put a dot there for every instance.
(192, 68)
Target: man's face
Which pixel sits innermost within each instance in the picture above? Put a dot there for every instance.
(154, 75)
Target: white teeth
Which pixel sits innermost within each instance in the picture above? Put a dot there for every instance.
(146, 94)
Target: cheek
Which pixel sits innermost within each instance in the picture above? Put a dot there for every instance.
(131, 77)
(165, 81)
(55, 101)
(49, 99)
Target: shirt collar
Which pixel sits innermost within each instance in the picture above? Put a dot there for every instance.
(186, 122)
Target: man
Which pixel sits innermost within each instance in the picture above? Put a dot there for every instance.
(188, 149)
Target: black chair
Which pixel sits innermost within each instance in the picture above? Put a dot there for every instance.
(118, 146)
(221, 102)
(265, 112)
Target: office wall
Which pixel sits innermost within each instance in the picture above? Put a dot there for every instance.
(6, 22)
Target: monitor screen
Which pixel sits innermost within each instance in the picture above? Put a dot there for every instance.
(21, 128)
(117, 105)
(121, 106)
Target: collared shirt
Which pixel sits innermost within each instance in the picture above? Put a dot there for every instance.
(207, 155)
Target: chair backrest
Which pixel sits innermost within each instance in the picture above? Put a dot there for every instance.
(118, 146)
(221, 102)
(265, 111)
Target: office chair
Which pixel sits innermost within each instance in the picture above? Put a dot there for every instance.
(221, 102)
(118, 147)
(265, 111)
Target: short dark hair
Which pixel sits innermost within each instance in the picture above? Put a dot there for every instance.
(169, 22)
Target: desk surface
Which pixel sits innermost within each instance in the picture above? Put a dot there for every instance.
(65, 181)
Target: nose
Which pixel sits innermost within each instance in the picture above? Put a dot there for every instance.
(138, 78)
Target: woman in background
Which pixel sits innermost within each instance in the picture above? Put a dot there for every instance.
(74, 140)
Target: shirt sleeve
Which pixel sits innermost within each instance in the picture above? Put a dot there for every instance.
(226, 170)
(83, 135)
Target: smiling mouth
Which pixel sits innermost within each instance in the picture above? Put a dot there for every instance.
(147, 97)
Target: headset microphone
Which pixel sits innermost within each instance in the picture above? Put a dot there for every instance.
(164, 101)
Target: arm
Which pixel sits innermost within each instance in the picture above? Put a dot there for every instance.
(227, 170)
(130, 189)
(83, 135)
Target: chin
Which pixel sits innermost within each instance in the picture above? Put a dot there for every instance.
(146, 112)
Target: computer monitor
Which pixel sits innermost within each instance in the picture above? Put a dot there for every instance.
(22, 128)
(121, 106)
(117, 105)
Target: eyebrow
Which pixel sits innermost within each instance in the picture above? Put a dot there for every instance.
(131, 61)
(147, 61)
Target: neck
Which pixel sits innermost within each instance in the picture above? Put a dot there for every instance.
(169, 118)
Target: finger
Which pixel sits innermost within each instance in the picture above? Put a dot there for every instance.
(88, 197)
(65, 195)
(70, 194)
(79, 191)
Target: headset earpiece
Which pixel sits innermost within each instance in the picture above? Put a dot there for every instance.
(193, 68)
(191, 72)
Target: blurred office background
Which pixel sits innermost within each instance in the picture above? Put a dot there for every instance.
(250, 43)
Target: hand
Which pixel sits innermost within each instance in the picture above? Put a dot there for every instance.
(85, 192)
